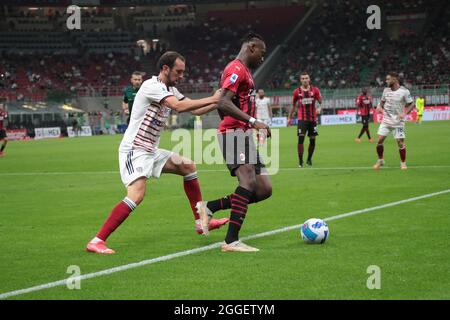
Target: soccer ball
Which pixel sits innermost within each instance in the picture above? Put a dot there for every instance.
(314, 231)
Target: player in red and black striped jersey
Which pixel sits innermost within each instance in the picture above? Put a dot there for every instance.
(363, 107)
(237, 110)
(3, 137)
(304, 100)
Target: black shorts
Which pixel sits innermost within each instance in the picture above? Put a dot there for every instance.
(309, 127)
(238, 148)
(2, 134)
(365, 120)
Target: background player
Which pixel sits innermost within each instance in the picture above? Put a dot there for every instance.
(363, 107)
(139, 155)
(263, 112)
(130, 92)
(237, 110)
(393, 101)
(304, 100)
(3, 136)
(420, 106)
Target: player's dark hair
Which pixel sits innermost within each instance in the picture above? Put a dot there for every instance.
(304, 73)
(137, 73)
(251, 36)
(393, 74)
(168, 59)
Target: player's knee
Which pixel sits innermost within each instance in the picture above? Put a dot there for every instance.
(189, 167)
(267, 193)
(301, 138)
(136, 191)
(247, 178)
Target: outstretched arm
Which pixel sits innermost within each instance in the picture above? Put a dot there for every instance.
(227, 107)
(190, 105)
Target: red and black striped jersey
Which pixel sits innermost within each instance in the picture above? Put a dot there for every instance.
(364, 104)
(3, 115)
(237, 78)
(305, 101)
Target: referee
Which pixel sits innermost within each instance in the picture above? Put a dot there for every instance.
(130, 92)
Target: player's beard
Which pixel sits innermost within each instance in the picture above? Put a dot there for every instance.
(171, 83)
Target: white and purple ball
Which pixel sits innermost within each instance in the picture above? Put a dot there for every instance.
(314, 231)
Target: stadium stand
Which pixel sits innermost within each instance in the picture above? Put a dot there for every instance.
(41, 60)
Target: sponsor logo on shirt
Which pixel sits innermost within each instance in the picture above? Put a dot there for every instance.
(307, 100)
(234, 78)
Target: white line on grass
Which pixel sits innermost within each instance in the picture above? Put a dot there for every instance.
(209, 247)
(57, 173)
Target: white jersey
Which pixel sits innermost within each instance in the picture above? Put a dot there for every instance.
(148, 116)
(262, 108)
(394, 104)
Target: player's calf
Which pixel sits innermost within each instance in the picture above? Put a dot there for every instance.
(311, 148)
(402, 152)
(2, 148)
(380, 151)
(300, 149)
(135, 195)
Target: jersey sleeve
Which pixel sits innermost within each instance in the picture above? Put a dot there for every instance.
(317, 94)
(125, 97)
(408, 98)
(177, 94)
(383, 96)
(295, 96)
(232, 77)
(156, 92)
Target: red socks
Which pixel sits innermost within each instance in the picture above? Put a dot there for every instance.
(300, 151)
(120, 212)
(402, 152)
(380, 150)
(192, 190)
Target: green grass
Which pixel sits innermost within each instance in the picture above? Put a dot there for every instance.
(46, 220)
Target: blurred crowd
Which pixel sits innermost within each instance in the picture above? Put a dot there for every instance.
(37, 76)
(338, 52)
(334, 48)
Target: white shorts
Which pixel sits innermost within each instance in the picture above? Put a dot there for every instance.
(138, 163)
(398, 130)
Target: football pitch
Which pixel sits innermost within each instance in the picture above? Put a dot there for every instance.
(55, 194)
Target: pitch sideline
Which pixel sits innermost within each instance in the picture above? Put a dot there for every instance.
(209, 247)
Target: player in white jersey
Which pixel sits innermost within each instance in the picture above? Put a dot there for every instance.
(263, 112)
(139, 155)
(396, 103)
